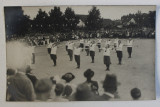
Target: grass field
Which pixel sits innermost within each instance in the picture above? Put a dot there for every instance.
(138, 71)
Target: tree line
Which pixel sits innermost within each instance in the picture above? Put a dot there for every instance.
(56, 21)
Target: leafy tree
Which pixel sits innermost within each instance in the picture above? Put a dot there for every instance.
(56, 20)
(41, 22)
(94, 20)
(16, 22)
(151, 18)
(71, 20)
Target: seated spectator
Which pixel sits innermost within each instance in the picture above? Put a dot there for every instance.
(58, 91)
(135, 93)
(110, 87)
(43, 89)
(20, 88)
(92, 84)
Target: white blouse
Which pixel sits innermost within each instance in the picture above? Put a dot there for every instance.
(106, 51)
(54, 50)
(119, 47)
(92, 47)
(129, 43)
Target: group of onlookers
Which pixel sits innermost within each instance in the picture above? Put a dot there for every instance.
(23, 85)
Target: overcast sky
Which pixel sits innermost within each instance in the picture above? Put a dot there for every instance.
(107, 12)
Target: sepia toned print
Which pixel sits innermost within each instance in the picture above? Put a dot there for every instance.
(80, 53)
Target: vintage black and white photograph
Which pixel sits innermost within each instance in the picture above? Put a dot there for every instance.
(80, 53)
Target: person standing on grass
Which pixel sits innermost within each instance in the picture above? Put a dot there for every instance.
(115, 43)
(77, 52)
(67, 46)
(87, 46)
(33, 53)
(20, 87)
(69, 88)
(93, 85)
(129, 47)
(70, 50)
(49, 47)
(92, 50)
(99, 44)
(135, 93)
(119, 51)
(54, 53)
(82, 43)
(106, 58)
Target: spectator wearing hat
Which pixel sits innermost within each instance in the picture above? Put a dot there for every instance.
(67, 47)
(110, 87)
(58, 91)
(135, 93)
(92, 50)
(54, 53)
(88, 74)
(69, 88)
(43, 89)
(115, 43)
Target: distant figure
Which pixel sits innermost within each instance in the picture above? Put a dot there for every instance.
(54, 53)
(87, 47)
(77, 52)
(49, 47)
(106, 58)
(70, 50)
(129, 47)
(135, 93)
(119, 52)
(92, 50)
(33, 53)
(82, 43)
(99, 44)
